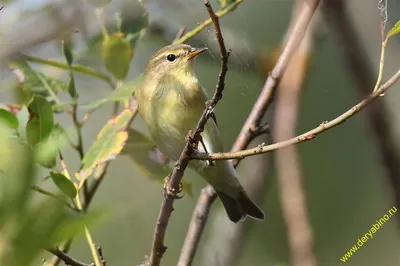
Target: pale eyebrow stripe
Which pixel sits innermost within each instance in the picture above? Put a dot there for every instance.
(177, 52)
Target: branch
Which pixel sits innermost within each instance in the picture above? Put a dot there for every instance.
(207, 22)
(362, 73)
(309, 135)
(158, 247)
(66, 258)
(75, 67)
(289, 174)
(250, 129)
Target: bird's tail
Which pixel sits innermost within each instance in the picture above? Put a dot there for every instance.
(238, 209)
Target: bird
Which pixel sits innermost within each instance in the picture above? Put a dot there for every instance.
(171, 100)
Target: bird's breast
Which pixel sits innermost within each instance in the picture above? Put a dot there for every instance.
(170, 114)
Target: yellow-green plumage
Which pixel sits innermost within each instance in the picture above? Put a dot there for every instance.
(171, 101)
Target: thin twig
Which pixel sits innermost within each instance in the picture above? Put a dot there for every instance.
(158, 247)
(250, 127)
(207, 22)
(52, 195)
(75, 67)
(180, 33)
(309, 135)
(66, 258)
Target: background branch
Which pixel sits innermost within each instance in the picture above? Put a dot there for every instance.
(158, 247)
(363, 75)
(247, 133)
(292, 196)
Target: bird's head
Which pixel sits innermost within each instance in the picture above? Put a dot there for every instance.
(174, 60)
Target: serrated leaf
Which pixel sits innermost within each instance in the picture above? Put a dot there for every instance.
(64, 184)
(122, 93)
(41, 123)
(395, 30)
(149, 160)
(8, 119)
(29, 83)
(109, 143)
(117, 55)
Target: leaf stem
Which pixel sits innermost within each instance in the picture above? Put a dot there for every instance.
(89, 238)
(381, 64)
(48, 88)
(75, 67)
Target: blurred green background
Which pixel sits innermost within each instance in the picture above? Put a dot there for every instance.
(345, 183)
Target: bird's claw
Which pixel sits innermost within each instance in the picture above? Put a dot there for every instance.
(170, 191)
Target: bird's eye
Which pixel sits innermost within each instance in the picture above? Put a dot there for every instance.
(171, 57)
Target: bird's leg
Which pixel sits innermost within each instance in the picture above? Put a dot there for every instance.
(195, 144)
(205, 149)
(170, 191)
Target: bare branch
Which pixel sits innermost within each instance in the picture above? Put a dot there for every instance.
(158, 247)
(289, 175)
(309, 135)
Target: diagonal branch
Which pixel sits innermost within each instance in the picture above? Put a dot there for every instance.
(158, 247)
(251, 127)
(309, 135)
(68, 260)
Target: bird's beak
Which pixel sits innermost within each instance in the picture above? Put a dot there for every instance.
(195, 51)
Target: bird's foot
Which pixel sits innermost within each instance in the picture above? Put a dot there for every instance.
(170, 191)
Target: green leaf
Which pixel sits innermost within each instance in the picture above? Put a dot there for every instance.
(135, 20)
(29, 83)
(395, 30)
(76, 223)
(23, 118)
(8, 119)
(41, 123)
(64, 184)
(148, 159)
(67, 50)
(46, 152)
(122, 93)
(17, 177)
(117, 55)
(72, 87)
(109, 143)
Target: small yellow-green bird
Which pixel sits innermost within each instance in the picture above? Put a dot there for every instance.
(171, 100)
